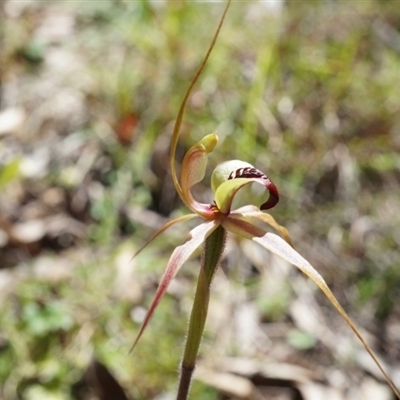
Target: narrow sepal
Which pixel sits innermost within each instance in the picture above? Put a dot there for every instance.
(252, 214)
(163, 229)
(177, 259)
(278, 246)
(178, 121)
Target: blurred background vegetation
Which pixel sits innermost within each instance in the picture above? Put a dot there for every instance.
(306, 91)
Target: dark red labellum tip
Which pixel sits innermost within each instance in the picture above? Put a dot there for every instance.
(251, 172)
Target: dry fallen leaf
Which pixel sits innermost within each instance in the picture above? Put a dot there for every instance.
(11, 120)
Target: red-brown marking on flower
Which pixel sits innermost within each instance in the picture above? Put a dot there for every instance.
(251, 172)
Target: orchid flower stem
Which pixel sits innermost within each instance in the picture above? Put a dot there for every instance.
(212, 252)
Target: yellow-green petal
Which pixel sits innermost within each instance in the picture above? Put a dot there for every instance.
(230, 176)
(223, 172)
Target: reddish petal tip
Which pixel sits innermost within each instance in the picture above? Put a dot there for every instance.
(273, 196)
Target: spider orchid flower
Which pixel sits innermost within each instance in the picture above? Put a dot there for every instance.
(227, 179)
(218, 218)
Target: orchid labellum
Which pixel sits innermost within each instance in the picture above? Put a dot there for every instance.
(218, 218)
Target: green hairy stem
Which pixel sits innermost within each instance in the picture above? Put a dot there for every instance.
(212, 252)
